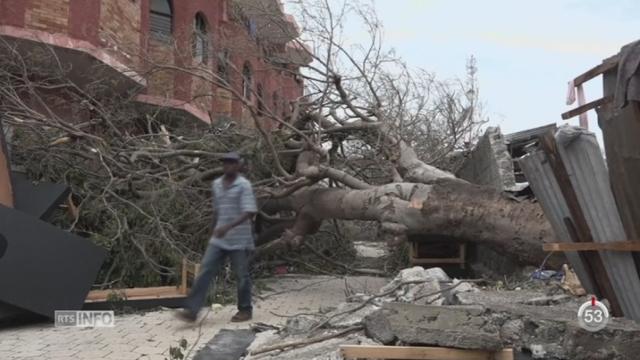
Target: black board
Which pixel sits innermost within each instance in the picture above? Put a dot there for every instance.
(227, 345)
(37, 200)
(44, 268)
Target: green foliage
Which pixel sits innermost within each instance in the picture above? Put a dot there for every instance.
(178, 352)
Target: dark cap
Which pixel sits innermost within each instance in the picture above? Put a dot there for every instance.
(231, 156)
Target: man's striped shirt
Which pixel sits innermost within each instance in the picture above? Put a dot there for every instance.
(229, 204)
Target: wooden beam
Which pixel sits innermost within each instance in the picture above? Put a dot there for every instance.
(577, 225)
(455, 260)
(607, 65)
(586, 107)
(421, 353)
(583, 246)
(135, 293)
(415, 260)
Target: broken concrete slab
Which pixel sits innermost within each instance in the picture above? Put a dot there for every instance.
(490, 162)
(378, 328)
(349, 315)
(422, 294)
(545, 332)
(448, 326)
(416, 273)
(548, 300)
(490, 298)
(426, 290)
(300, 324)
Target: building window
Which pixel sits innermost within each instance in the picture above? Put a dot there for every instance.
(247, 79)
(200, 40)
(260, 95)
(161, 19)
(223, 65)
(251, 26)
(276, 102)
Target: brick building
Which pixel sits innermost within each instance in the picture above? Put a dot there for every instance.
(137, 43)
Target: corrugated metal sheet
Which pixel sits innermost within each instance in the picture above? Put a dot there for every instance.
(529, 134)
(585, 164)
(545, 187)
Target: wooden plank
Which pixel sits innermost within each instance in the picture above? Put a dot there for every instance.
(420, 353)
(506, 354)
(135, 293)
(415, 260)
(610, 64)
(6, 188)
(183, 281)
(196, 270)
(577, 226)
(612, 246)
(586, 107)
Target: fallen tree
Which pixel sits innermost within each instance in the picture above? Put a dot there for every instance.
(456, 210)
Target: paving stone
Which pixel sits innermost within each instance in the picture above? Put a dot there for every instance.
(25, 354)
(93, 354)
(6, 354)
(152, 357)
(61, 354)
(120, 347)
(157, 331)
(146, 350)
(122, 356)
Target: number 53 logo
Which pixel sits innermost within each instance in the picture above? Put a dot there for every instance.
(593, 315)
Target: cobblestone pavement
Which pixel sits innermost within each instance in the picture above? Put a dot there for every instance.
(149, 335)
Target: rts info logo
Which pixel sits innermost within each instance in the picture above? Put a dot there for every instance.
(84, 318)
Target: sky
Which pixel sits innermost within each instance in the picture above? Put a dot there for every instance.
(526, 51)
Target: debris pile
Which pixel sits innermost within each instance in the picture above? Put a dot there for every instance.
(424, 307)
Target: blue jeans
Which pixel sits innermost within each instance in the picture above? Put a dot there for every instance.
(211, 263)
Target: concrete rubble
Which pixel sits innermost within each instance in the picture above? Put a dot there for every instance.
(424, 307)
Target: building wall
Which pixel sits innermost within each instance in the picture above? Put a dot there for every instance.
(48, 15)
(490, 162)
(159, 82)
(121, 29)
(12, 12)
(120, 26)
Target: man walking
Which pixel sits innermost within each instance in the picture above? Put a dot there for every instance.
(235, 205)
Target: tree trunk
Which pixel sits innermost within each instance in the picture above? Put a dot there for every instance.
(448, 207)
